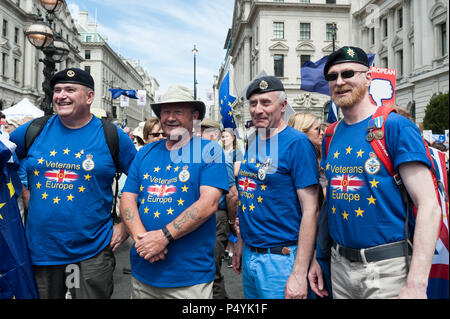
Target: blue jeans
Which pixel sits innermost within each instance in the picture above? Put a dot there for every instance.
(264, 276)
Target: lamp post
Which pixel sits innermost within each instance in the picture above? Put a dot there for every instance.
(194, 50)
(333, 34)
(42, 36)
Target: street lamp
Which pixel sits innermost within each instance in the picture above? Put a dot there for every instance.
(194, 50)
(42, 36)
(333, 34)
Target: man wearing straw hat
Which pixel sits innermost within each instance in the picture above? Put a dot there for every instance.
(168, 203)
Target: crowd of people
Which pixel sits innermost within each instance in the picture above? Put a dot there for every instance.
(190, 197)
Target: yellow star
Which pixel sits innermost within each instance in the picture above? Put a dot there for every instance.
(259, 199)
(146, 176)
(168, 167)
(143, 200)
(360, 153)
(78, 155)
(70, 197)
(336, 154)
(243, 208)
(245, 161)
(36, 172)
(12, 191)
(258, 165)
(81, 189)
(180, 202)
(348, 150)
(263, 187)
(328, 167)
(170, 211)
(371, 200)
(239, 203)
(38, 185)
(252, 160)
(176, 169)
(87, 177)
(157, 169)
(345, 215)
(373, 183)
(146, 210)
(44, 196)
(141, 188)
(359, 212)
(1, 205)
(66, 151)
(56, 200)
(252, 207)
(53, 153)
(333, 209)
(185, 188)
(40, 161)
(230, 113)
(156, 214)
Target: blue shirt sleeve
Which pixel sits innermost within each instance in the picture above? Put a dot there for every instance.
(305, 167)
(127, 151)
(18, 137)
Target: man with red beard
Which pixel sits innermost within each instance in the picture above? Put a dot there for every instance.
(366, 215)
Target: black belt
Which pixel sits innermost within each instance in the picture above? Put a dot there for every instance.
(280, 250)
(372, 254)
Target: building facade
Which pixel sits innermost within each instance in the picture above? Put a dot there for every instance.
(21, 72)
(279, 36)
(110, 70)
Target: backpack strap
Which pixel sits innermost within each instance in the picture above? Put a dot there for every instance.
(329, 133)
(33, 131)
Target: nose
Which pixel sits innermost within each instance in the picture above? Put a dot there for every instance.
(340, 80)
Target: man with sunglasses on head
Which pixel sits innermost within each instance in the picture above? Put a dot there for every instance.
(366, 214)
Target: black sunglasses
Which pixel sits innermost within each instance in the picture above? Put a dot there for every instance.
(157, 134)
(344, 74)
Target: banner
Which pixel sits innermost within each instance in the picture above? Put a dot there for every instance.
(142, 97)
(382, 89)
(124, 101)
(226, 100)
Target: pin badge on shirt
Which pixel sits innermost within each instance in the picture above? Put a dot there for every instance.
(372, 165)
(88, 164)
(184, 175)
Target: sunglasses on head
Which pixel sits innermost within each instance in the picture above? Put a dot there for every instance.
(157, 134)
(344, 74)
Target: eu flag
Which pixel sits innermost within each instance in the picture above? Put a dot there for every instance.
(16, 271)
(118, 92)
(225, 102)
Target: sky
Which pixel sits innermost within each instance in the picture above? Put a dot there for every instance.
(162, 34)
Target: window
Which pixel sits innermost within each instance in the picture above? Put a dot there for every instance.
(305, 31)
(304, 1)
(384, 62)
(278, 0)
(87, 68)
(278, 65)
(16, 69)
(87, 54)
(372, 36)
(16, 35)
(443, 27)
(89, 38)
(3, 64)
(278, 30)
(330, 1)
(5, 28)
(400, 63)
(400, 18)
(385, 27)
(304, 58)
(330, 31)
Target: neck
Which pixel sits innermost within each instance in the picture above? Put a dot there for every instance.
(359, 111)
(177, 141)
(272, 131)
(74, 123)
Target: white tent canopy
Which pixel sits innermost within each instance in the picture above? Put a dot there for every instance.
(23, 109)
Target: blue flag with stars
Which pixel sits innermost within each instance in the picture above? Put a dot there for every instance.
(225, 102)
(118, 92)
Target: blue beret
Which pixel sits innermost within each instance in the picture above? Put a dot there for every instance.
(264, 84)
(73, 75)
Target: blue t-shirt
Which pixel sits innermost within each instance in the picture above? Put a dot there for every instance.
(268, 179)
(167, 183)
(365, 207)
(70, 174)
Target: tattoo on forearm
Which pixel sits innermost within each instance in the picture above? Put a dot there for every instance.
(189, 214)
(129, 214)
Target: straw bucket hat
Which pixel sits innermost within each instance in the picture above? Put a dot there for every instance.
(177, 94)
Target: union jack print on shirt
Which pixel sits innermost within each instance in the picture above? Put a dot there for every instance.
(161, 190)
(346, 183)
(61, 176)
(247, 184)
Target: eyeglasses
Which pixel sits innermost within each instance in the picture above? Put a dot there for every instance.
(344, 74)
(158, 134)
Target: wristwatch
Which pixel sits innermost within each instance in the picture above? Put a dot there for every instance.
(167, 233)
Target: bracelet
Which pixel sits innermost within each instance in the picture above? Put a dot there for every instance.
(167, 233)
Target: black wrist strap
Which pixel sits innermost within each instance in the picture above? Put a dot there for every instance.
(167, 233)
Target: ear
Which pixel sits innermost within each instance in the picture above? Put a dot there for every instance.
(283, 106)
(368, 78)
(90, 97)
(195, 115)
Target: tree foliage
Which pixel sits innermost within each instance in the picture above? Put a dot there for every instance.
(436, 114)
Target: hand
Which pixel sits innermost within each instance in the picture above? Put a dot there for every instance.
(296, 287)
(237, 256)
(413, 292)
(120, 234)
(315, 278)
(151, 245)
